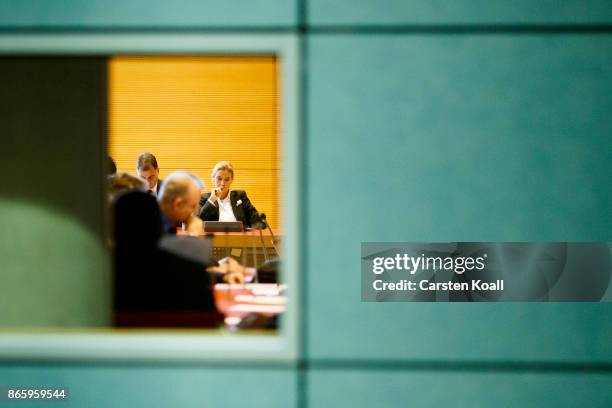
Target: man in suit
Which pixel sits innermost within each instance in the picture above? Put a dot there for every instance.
(149, 279)
(178, 201)
(147, 168)
(223, 204)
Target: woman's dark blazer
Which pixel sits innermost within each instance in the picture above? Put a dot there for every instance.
(241, 205)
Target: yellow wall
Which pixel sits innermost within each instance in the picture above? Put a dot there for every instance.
(191, 112)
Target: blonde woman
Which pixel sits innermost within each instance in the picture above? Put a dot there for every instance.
(224, 204)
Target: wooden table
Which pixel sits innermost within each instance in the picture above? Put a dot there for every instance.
(247, 247)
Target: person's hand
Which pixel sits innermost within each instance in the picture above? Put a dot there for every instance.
(214, 194)
(195, 225)
(235, 278)
(232, 270)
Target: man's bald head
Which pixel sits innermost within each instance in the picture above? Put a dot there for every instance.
(179, 196)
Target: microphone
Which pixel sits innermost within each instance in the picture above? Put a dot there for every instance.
(263, 246)
(265, 223)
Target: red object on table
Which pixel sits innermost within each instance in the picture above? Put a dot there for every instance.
(239, 300)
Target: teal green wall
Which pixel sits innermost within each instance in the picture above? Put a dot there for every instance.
(439, 388)
(412, 132)
(449, 12)
(195, 14)
(455, 137)
(159, 386)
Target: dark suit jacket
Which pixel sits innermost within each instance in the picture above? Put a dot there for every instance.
(159, 183)
(243, 211)
(154, 279)
(154, 286)
(158, 187)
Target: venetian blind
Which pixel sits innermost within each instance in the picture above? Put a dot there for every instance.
(192, 112)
